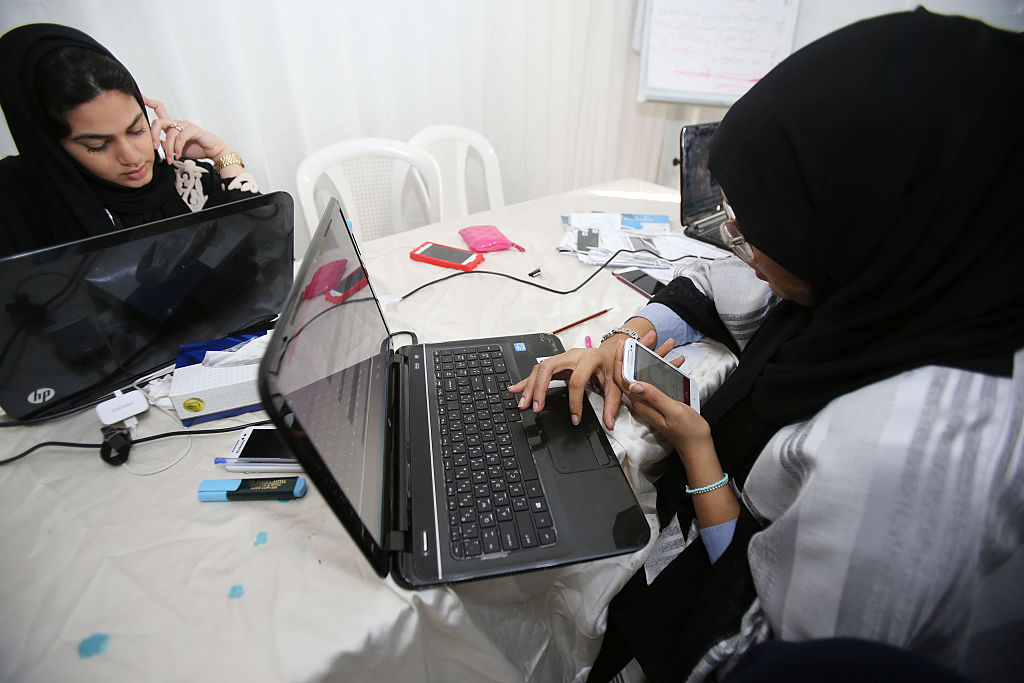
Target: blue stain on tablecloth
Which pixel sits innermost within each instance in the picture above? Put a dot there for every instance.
(96, 644)
(236, 591)
(261, 538)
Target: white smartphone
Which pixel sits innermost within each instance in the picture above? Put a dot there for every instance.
(640, 364)
(260, 442)
(260, 449)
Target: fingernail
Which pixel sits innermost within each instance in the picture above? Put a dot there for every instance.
(522, 403)
(636, 388)
(536, 407)
(575, 419)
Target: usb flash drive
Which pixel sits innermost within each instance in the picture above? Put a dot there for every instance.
(280, 488)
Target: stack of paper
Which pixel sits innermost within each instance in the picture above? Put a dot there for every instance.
(645, 240)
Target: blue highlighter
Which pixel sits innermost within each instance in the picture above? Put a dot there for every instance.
(272, 488)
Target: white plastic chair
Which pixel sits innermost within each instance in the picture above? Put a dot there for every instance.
(450, 146)
(370, 176)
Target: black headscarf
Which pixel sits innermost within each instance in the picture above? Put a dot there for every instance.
(48, 197)
(884, 165)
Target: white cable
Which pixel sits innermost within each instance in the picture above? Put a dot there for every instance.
(132, 428)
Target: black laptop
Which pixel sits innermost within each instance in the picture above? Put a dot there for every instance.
(419, 449)
(82, 319)
(701, 212)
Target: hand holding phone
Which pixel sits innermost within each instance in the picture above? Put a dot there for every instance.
(640, 364)
(446, 257)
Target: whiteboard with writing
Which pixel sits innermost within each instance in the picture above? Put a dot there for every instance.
(712, 51)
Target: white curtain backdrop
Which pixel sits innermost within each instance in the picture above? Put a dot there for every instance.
(551, 83)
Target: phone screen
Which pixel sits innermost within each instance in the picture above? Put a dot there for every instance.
(444, 253)
(650, 368)
(638, 279)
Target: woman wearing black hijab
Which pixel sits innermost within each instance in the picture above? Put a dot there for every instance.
(873, 426)
(87, 160)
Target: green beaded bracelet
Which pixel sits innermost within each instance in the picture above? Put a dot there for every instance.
(711, 487)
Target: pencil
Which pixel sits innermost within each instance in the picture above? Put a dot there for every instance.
(581, 321)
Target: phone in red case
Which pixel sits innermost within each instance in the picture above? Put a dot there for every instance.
(447, 257)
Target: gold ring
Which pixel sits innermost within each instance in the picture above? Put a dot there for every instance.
(178, 126)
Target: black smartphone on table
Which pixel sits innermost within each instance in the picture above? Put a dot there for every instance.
(639, 280)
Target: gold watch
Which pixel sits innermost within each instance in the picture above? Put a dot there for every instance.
(227, 160)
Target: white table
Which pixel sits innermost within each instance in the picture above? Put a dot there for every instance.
(116, 577)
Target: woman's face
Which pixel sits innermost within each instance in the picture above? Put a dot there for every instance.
(782, 282)
(110, 137)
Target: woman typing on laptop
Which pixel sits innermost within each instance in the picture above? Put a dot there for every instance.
(873, 424)
(90, 159)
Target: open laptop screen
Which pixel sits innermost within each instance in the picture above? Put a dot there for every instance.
(701, 193)
(81, 319)
(329, 373)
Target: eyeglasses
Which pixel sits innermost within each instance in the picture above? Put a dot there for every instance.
(732, 236)
(735, 240)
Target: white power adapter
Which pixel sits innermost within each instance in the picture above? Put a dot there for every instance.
(122, 407)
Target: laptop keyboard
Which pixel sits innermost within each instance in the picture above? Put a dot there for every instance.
(496, 503)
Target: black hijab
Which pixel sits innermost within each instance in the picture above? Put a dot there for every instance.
(884, 165)
(48, 197)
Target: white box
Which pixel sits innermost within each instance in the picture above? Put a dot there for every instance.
(201, 393)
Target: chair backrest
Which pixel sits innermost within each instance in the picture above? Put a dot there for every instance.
(450, 146)
(369, 177)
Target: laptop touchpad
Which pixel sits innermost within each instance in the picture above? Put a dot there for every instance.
(573, 448)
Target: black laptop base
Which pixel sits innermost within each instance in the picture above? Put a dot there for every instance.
(509, 509)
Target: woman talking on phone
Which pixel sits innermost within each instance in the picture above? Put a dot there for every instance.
(90, 159)
(860, 472)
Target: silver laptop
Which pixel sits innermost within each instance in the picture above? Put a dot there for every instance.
(419, 449)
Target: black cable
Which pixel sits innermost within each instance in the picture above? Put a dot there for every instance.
(136, 441)
(50, 443)
(222, 430)
(549, 289)
(410, 333)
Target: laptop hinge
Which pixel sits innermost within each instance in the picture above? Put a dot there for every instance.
(397, 542)
(398, 455)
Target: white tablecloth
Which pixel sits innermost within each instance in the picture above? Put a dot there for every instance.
(114, 576)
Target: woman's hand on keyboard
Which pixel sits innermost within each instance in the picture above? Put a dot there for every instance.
(579, 368)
